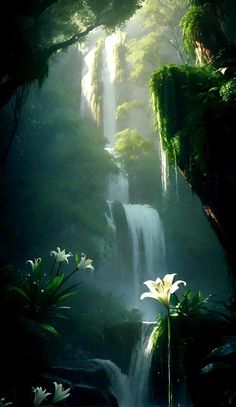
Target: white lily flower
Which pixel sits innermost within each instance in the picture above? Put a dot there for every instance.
(60, 255)
(85, 263)
(60, 394)
(39, 396)
(34, 263)
(161, 290)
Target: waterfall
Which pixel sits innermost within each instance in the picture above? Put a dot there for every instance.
(147, 242)
(132, 390)
(109, 94)
(164, 169)
(140, 365)
(118, 188)
(119, 384)
(86, 83)
(137, 239)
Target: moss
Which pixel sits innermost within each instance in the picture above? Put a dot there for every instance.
(191, 26)
(195, 24)
(182, 96)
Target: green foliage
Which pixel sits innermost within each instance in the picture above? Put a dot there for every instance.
(63, 168)
(131, 146)
(191, 25)
(181, 97)
(144, 55)
(194, 330)
(203, 31)
(160, 39)
(123, 109)
(138, 156)
(32, 32)
(191, 304)
(228, 91)
(39, 295)
(120, 59)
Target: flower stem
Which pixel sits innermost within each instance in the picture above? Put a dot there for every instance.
(58, 270)
(67, 278)
(169, 358)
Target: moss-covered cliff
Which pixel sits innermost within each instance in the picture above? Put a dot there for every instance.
(195, 108)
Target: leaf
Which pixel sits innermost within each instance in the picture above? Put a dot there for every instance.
(174, 300)
(38, 271)
(61, 316)
(67, 295)
(55, 283)
(49, 328)
(21, 292)
(77, 260)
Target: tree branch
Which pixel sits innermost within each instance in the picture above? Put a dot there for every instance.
(70, 41)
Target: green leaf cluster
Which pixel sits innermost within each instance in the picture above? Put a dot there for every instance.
(131, 146)
(228, 91)
(39, 295)
(123, 109)
(160, 38)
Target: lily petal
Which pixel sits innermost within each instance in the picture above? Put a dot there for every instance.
(161, 290)
(168, 279)
(175, 286)
(148, 294)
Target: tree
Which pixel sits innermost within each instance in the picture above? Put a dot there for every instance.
(161, 41)
(31, 31)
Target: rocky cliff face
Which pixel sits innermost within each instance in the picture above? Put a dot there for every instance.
(195, 110)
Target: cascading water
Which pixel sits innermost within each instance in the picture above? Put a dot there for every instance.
(86, 107)
(109, 94)
(147, 243)
(119, 384)
(139, 248)
(164, 169)
(140, 365)
(145, 232)
(133, 390)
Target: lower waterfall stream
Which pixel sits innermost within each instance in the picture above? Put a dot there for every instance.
(132, 390)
